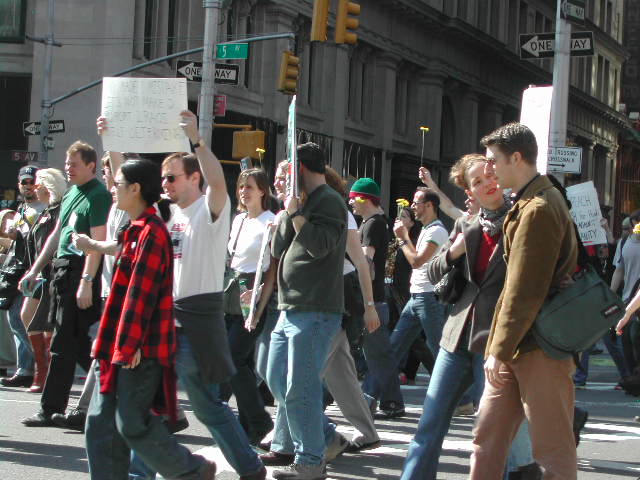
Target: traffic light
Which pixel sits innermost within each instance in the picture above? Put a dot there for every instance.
(345, 24)
(289, 71)
(320, 21)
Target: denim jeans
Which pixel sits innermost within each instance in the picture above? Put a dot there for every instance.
(381, 381)
(264, 339)
(422, 310)
(215, 414)
(21, 339)
(121, 420)
(452, 375)
(297, 355)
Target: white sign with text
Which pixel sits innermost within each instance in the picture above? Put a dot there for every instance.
(585, 210)
(535, 114)
(143, 114)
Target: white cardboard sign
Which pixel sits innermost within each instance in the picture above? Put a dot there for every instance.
(536, 114)
(585, 210)
(143, 114)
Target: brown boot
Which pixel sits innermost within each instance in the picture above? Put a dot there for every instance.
(41, 361)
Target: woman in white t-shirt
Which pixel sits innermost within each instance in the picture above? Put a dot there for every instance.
(245, 241)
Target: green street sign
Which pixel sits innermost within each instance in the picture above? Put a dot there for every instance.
(234, 51)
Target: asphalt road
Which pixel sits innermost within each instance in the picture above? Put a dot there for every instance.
(610, 447)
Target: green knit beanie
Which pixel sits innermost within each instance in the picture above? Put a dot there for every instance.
(365, 188)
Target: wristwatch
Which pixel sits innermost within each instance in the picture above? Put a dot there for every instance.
(370, 304)
(199, 143)
(402, 243)
(296, 213)
(87, 278)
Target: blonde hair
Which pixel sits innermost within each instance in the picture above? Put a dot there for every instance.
(458, 173)
(54, 181)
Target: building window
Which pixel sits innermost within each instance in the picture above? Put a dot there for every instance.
(523, 17)
(609, 19)
(512, 32)
(462, 9)
(361, 70)
(402, 101)
(159, 28)
(482, 14)
(12, 20)
(599, 78)
(606, 97)
(603, 14)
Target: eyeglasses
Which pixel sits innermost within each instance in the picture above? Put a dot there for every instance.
(417, 203)
(172, 177)
(120, 184)
(26, 181)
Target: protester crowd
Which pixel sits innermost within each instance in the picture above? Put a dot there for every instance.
(147, 279)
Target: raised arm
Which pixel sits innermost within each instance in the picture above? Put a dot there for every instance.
(209, 164)
(446, 204)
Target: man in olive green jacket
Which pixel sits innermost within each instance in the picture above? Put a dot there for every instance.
(540, 251)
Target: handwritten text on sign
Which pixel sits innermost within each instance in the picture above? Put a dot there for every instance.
(143, 114)
(585, 210)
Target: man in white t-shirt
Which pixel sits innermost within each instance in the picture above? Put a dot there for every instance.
(199, 228)
(422, 309)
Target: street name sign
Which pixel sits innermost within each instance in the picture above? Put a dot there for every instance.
(225, 73)
(233, 51)
(565, 159)
(573, 10)
(542, 45)
(33, 128)
(26, 157)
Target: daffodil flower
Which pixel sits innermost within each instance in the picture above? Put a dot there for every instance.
(636, 229)
(402, 203)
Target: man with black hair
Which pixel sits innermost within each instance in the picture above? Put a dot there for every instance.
(422, 311)
(17, 256)
(310, 241)
(521, 379)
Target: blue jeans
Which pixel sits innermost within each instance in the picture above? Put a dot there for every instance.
(121, 420)
(381, 381)
(422, 310)
(213, 413)
(23, 345)
(614, 347)
(264, 339)
(297, 355)
(453, 374)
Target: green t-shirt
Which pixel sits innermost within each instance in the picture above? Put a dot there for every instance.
(83, 207)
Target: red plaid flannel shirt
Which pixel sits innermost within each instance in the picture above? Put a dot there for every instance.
(139, 310)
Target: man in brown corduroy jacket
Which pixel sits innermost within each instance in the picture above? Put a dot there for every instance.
(521, 380)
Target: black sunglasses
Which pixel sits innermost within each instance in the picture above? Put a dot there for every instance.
(172, 177)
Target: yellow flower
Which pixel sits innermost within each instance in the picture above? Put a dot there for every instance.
(402, 202)
(260, 150)
(636, 229)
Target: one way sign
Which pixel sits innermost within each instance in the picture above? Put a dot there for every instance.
(225, 73)
(542, 45)
(33, 128)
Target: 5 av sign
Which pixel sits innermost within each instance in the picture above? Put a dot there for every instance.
(542, 45)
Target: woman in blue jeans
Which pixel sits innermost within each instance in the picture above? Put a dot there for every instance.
(475, 247)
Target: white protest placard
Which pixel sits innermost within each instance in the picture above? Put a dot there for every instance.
(143, 114)
(292, 149)
(585, 210)
(536, 114)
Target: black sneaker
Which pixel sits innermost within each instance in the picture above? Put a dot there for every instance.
(356, 446)
(39, 419)
(74, 420)
(390, 411)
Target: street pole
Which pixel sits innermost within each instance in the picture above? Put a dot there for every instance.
(207, 89)
(560, 98)
(46, 89)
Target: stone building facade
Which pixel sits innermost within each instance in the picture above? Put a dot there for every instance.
(451, 65)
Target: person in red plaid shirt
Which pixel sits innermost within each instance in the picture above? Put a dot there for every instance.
(136, 345)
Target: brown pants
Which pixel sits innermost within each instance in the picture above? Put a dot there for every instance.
(540, 388)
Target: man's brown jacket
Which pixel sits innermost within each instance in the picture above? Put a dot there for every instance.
(540, 250)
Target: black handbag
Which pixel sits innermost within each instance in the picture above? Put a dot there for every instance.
(231, 295)
(10, 274)
(450, 287)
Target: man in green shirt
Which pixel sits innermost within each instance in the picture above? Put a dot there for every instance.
(76, 280)
(310, 242)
